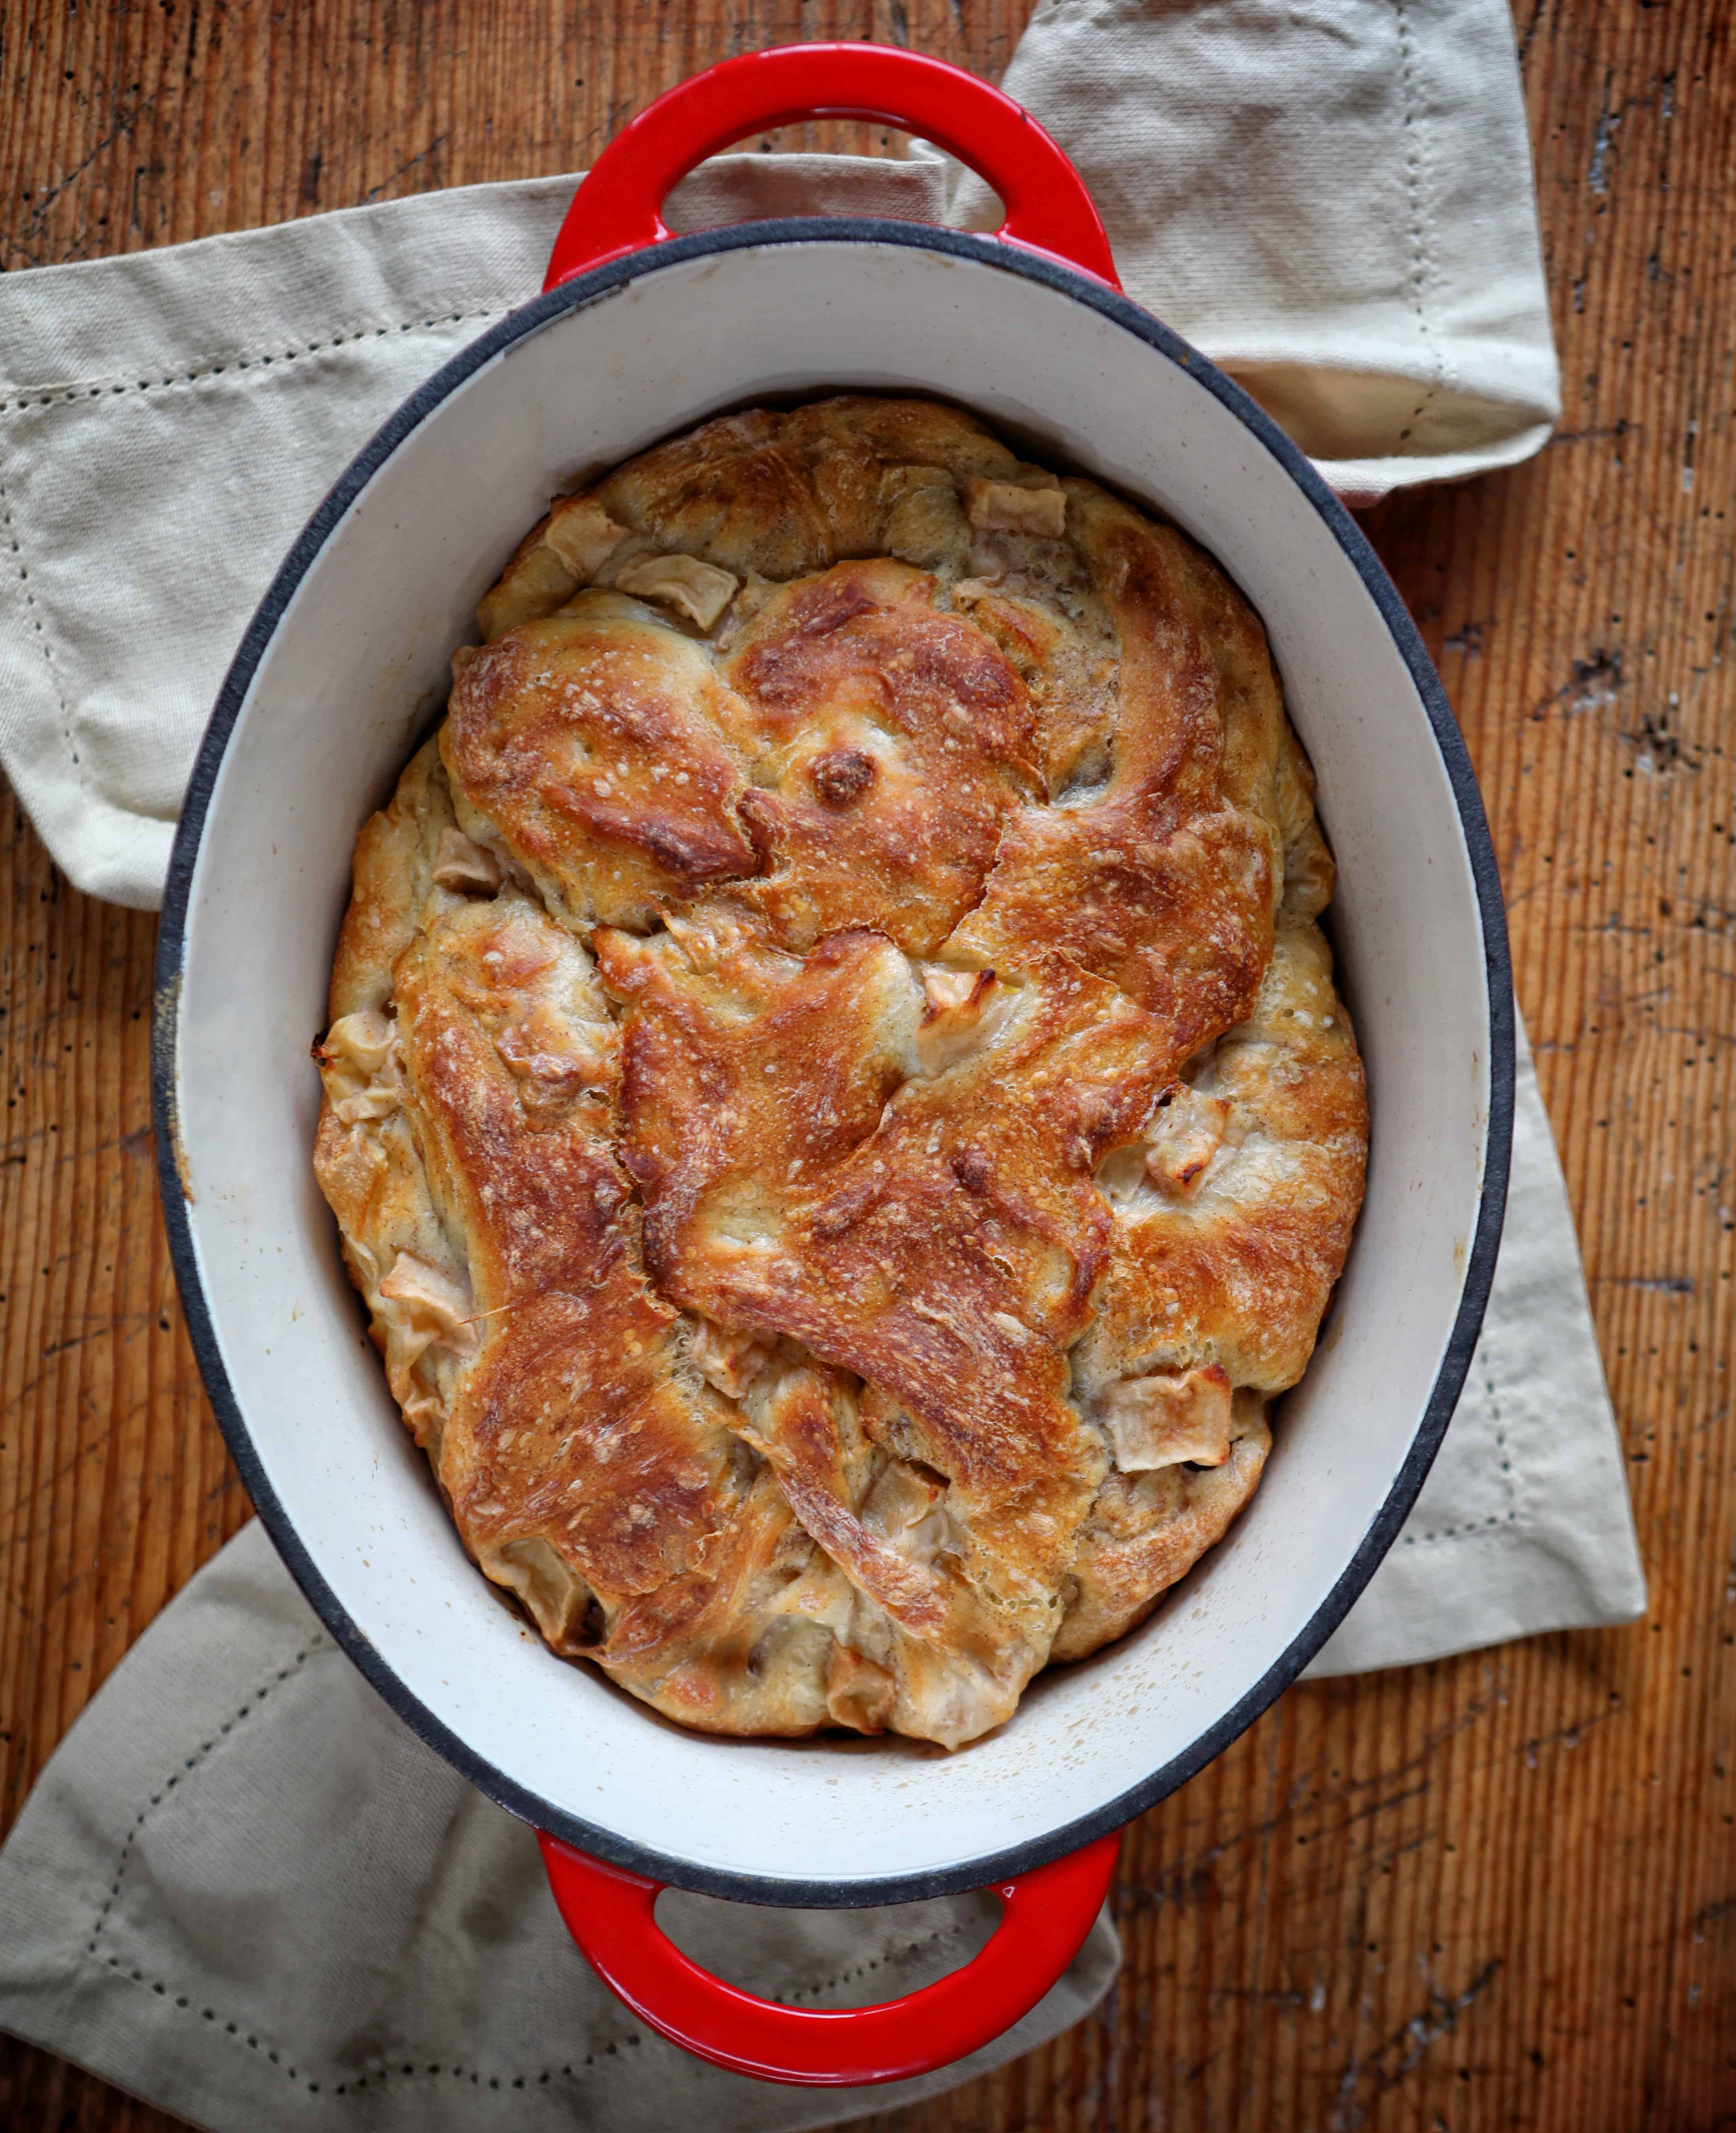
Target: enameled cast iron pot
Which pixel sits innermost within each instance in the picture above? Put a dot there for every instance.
(638, 335)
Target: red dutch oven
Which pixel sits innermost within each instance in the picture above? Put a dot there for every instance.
(639, 334)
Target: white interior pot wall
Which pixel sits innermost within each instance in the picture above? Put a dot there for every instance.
(352, 671)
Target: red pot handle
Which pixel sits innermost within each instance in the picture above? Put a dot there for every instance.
(618, 207)
(608, 1912)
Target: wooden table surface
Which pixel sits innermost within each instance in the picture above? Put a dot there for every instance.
(1499, 1892)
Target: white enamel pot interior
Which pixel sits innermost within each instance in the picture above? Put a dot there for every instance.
(342, 669)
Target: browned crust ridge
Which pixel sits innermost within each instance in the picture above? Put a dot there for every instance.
(836, 1098)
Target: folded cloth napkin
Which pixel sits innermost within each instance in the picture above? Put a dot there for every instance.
(1524, 1523)
(1333, 199)
(1337, 202)
(244, 1889)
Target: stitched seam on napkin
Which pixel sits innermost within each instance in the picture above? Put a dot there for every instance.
(118, 1963)
(382, 2072)
(63, 395)
(33, 610)
(873, 1964)
(315, 1643)
(1422, 264)
(86, 388)
(382, 2075)
(1517, 1513)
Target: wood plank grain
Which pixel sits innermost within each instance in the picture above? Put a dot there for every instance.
(1499, 1892)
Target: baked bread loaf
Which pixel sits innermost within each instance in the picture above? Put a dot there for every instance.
(835, 1097)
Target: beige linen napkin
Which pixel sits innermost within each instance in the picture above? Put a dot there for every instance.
(1332, 197)
(1524, 1523)
(1336, 201)
(246, 1891)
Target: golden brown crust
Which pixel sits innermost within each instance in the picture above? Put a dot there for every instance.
(588, 744)
(836, 1099)
(886, 743)
(1239, 1271)
(1164, 882)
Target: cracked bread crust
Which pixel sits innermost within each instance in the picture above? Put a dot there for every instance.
(835, 1099)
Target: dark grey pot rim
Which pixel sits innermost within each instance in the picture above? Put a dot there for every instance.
(992, 1867)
